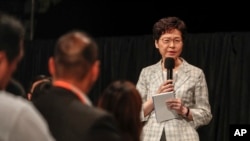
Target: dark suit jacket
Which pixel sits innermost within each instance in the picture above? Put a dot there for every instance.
(71, 120)
(16, 88)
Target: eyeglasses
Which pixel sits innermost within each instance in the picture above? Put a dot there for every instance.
(167, 41)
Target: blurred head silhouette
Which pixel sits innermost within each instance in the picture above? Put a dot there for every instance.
(38, 85)
(11, 47)
(75, 60)
(122, 99)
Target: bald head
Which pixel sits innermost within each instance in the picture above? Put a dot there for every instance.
(74, 55)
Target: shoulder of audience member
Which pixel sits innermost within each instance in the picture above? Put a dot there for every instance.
(16, 88)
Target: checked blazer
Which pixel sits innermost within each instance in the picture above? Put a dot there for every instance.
(191, 87)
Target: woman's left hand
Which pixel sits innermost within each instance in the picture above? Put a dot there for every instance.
(176, 104)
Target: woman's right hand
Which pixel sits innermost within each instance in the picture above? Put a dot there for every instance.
(168, 86)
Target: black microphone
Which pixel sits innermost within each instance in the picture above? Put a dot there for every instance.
(169, 65)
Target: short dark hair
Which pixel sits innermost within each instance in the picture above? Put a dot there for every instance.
(40, 89)
(38, 78)
(39, 83)
(74, 54)
(166, 25)
(11, 34)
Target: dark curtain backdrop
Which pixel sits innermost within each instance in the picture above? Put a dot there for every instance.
(224, 57)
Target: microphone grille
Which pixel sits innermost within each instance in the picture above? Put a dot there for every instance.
(169, 63)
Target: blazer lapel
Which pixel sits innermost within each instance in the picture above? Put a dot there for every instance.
(156, 78)
(182, 75)
(157, 74)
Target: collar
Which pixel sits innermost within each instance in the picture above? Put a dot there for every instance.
(81, 96)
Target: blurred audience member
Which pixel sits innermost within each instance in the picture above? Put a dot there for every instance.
(74, 69)
(123, 100)
(16, 88)
(19, 120)
(40, 83)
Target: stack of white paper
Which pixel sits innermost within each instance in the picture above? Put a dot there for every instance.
(162, 111)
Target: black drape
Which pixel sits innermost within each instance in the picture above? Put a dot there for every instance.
(224, 58)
